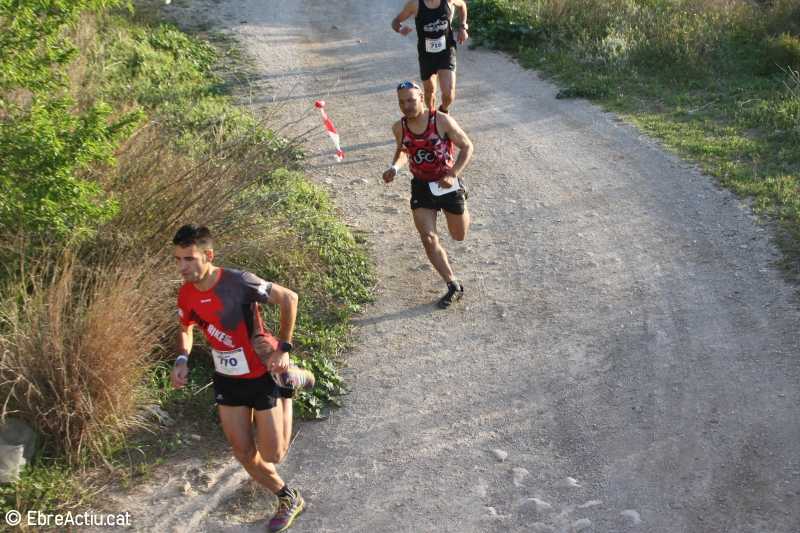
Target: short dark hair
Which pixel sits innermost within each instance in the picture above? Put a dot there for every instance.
(190, 234)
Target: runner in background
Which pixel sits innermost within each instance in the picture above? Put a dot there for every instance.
(427, 140)
(436, 44)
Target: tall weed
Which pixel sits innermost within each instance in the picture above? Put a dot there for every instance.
(74, 344)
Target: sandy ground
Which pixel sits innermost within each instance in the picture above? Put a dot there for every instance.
(625, 358)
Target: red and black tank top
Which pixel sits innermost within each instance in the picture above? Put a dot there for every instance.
(429, 155)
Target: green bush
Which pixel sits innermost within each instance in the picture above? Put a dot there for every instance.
(783, 52)
(649, 34)
(45, 149)
(46, 144)
(782, 16)
(33, 41)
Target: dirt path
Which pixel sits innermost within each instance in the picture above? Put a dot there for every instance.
(626, 358)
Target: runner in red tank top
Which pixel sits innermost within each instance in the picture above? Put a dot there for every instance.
(223, 303)
(427, 140)
(430, 157)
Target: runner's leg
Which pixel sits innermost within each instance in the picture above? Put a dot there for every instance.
(447, 82)
(425, 221)
(237, 424)
(458, 225)
(429, 87)
(286, 405)
(271, 438)
(273, 433)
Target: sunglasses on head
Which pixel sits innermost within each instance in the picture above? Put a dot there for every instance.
(408, 85)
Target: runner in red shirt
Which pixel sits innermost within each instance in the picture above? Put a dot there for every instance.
(223, 304)
(427, 140)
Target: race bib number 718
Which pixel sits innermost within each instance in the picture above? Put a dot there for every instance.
(433, 46)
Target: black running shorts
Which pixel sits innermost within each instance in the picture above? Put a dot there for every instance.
(257, 393)
(453, 202)
(430, 64)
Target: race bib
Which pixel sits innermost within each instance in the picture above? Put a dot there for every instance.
(433, 46)
(232, 363)
(436, 190)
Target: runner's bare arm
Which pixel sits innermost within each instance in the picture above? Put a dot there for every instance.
(400, 156)
(286, 300)
(185, 339)
(460, 139)
(180, 372)
(461, 7)
(409, 10)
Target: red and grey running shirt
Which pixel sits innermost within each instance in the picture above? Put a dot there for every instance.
(225, 315)
(429, 155)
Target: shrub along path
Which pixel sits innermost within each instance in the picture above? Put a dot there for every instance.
(626, 355)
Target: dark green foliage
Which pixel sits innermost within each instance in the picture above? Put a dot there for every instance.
(46, 147)
(45, 143)
(33, 40)
(783, 52)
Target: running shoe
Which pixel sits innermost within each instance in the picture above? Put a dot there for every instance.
(289, 507)
(295, 378)
(455, 290)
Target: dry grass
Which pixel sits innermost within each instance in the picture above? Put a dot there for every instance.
(74, 349)
(83, 85)
(159, 189)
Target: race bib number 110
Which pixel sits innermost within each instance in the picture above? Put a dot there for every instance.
(232, 363)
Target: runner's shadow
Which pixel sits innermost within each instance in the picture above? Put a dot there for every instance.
(421, 309)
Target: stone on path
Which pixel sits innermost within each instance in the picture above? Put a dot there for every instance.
(632, 515)
(17, 448)
(501, 455)
(590, 503)
(581, 524)
(187, 489)
(519, 475)
(540, 506)
(11, 462)
(570, 482)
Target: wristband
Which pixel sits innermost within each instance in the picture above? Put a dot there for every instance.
(396, 168)
(182, 358)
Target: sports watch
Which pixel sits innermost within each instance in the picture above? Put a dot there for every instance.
(285, 346)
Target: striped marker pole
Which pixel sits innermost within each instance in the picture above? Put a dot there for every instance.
(330, 128)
